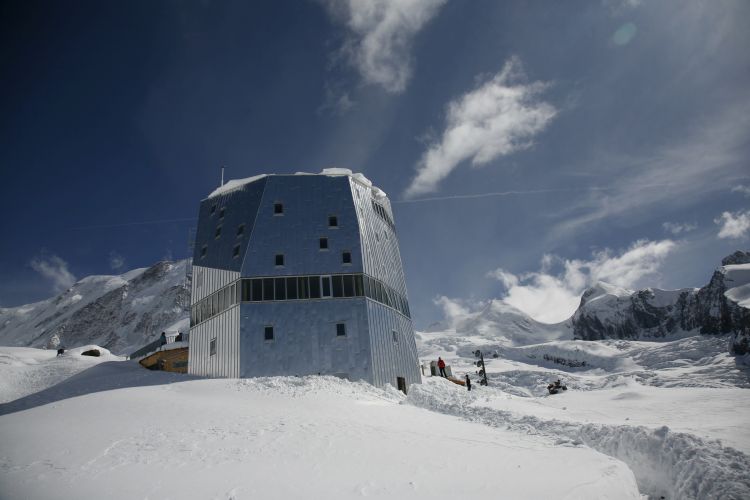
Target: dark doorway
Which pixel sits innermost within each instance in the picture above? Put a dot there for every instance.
(401, 383)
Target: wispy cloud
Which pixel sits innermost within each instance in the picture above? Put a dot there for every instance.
(679, 228)
(499, 117)
(675, 175)
(741, 189)
(116, 261)
(734, 225)
(380, 35)
(550, 296)
(55, 270)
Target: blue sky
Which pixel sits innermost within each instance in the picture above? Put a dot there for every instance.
(529, 148)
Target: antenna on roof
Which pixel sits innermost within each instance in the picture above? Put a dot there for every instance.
(222, 174)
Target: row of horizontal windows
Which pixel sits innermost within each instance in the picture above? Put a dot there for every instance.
(298, 288)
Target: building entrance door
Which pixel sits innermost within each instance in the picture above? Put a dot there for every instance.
(401, 383)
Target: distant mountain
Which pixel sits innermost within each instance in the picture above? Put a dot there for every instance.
(120, 313)
(497, 325)
(722, 306)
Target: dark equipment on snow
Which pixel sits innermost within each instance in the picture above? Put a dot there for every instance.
(482, 370)
(556, 386)
(60, 351)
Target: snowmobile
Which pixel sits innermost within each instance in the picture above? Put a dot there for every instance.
(556, 387)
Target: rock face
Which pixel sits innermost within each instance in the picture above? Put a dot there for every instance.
(722, 306)
(117, 312)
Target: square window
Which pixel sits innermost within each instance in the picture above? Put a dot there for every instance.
(346, 258)
(212, 347)
(323, 242)
(394, 335)
(236, 251)
(217, 234)
(341, 329)
(279, 260)
(268, 333)
(204, 251)
(333, 221)
(240, 230)
(278, 208)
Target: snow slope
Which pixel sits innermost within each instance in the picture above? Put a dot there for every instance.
(25, 371)
(675, 412)
(313, 437)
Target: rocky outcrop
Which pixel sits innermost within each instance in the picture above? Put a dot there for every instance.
(610, 312)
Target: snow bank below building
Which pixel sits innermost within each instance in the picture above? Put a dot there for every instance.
(24, 370)
(282, 437)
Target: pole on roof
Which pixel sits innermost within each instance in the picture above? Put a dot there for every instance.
(222, 175)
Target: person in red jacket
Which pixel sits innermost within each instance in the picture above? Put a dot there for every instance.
(441, 365)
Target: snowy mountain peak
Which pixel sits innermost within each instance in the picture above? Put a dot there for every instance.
(118, 312)
(719, 307)
(603, 289)
(738, 257)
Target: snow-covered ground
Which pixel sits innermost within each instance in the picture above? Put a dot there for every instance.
(639, 418)
(313, 437)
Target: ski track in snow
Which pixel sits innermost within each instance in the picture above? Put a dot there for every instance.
(665, 463)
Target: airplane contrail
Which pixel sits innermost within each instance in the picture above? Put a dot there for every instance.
(510, 193)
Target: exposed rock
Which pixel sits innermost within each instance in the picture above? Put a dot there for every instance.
(610, 312)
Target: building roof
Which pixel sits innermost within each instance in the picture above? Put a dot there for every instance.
(332, 172)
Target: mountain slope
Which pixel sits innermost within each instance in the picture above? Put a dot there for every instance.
(719, 307)
(117, 312)
(495, 326)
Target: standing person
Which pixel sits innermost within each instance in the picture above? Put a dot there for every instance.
(441, 365)
(162, 339)
(468, 382)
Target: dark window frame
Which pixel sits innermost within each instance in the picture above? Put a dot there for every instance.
(269, 335)
(333, 222)
(323, 244)
(340, 330)
(276, 260)
(278, 208)
(236, 251)
(346, 258)
(212, 347)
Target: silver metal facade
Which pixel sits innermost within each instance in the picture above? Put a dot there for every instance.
(378, 345)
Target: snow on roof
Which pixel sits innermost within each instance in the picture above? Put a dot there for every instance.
(332, 172)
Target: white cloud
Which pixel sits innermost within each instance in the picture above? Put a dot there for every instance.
(677, 228)
(734, 224)
(741, 189)
(499, 117)
(551, 297)
(380, 36)
(54, 269)
(116, 261)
